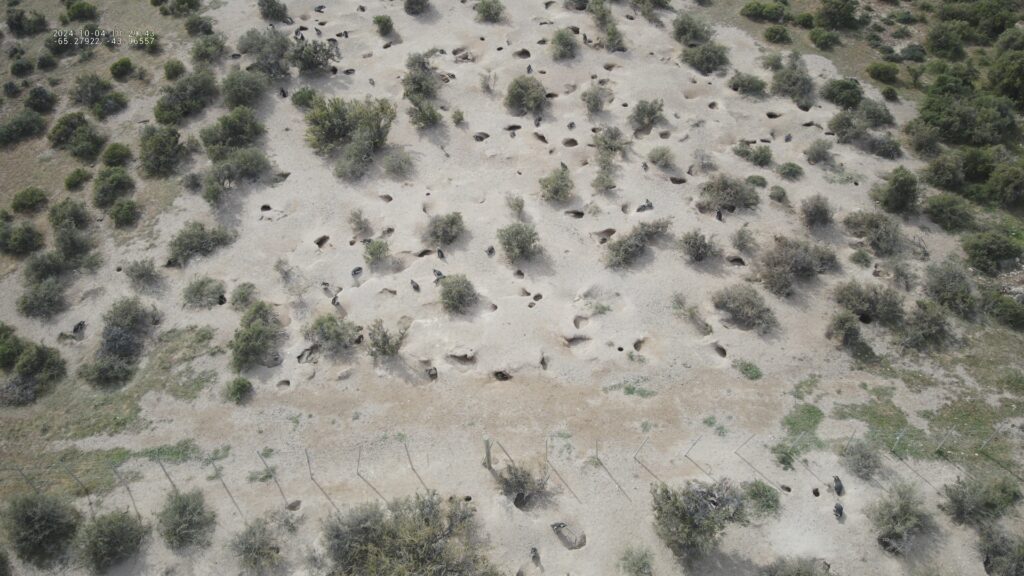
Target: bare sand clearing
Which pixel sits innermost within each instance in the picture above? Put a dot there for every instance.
(569, 331)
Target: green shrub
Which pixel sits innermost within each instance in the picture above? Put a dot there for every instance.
(272, 10)
(40, 100)
(195, 239)
(127, 324)
(824, 39)
(81, 11)
(376, 252)
(312, 56)
(748, 369)
(385, 26)
(706, 58)
(691, 520)
(1004, 551)
(790, 260)
(19, 239)
(30, 369)
(22, 67)
(237, 166)
(690, 31)
(256, 337)
(257, 547)
(160, 151)
(777, 34)
(519, 241)
(197, 25)
(423, 114)
(797, 567)
(243, 88)
(173, 69)
(110, 539)
(416, 7)
(77, 179)
(844, 328)
(72, 132)
(899, 194)
(977, 502)
(384, 344)
(790, 171)
(525, 94)
(268, 48)
(861, 459)
(142, 273)
(188, 96)
(898, 517)
(238, 390)
(926, 327)
(185, 520)
(22, 23)
(21, 126)
(871, 303)
(636, 562)
(243, 296)
(988, 251)
(760, 155)
(236, 129)
(457, 294)
(40, 528)
(662, 157)
(723, 192)
(765, 11)
(203, 292)
(698, 247)
(445, 229)
(29, 200)
(845, 93)
(594, 98)
(331, 334)
(762, 499)
(837, 14)
(949, 284)
(748, 84)
(816, 211)
(208, 49)
(885, 72)
(121, 69)
(43, 299)
(69, 212)
(557, 186)
(890, 94)
(625, 250)
(358, 128)
(413, 534)
(745, 308)
(489, 10)
(111, 183)
(564, 45)
(125, 213)
(304, 97)
(793, 82)
(646, 114)
(880, 231)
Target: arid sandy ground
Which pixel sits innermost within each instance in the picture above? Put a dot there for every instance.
(568, 363)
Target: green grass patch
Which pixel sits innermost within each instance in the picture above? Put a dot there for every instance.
(750, 370)
(801, 426)
(806, 387)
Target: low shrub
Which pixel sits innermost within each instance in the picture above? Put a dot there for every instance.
(312, 56)
(43, 299)
(558, 185)
(125, 213)
(690, 31)
(237, 166)
(843, 92)
(69, 212)
(526, 94)
(723, 192)
(564, 45)
(142, 273)
(861, 459)
(416, 7)
(949, 284)
(951, 212)
(978, 502)
(30, 369)
(926, 327)
(793, 81)
(160, 151)
(331, 334)
(636, 562)
(992, 251)
(358, 128)
(824, 39)
(376, 252)
(797, 567)
(489, 10)
(791, 260)
(748, 84)
(885, 72)
(777, 34)
(778, 194)
(899, 193)
(762, 499)
(382, 342)
(197, 25)
(662, 157)
(81, 10)
(745, 308)
(816, 211)
(188, 96)
(21, 126)
(22, 67)
(29, 200)
(195, 239)
(243, 88)
(18, 239)
(790, 171)
(40, 528)
(77, 179)
(72, 132)
(116, 154)
(40, 100)
(111, 183)
(706, 58)
(385, 26)
(457, 294)
(304, 97)
(203, 293)
(122, 68)
(646, 114)
(110, 539)
(255, 338)
(691, 520)
(208, 49)
(185, 520)
(127, 324)
(445, 229)
(243, 296)
(272, 10)
(595, 97)
(880, 231)
(1004, 551)
(519, 241)
(173, 69)
(22, 23)
(870, 302)
(625, 250)
(522, 485)
(237, 129)
(698, 247)
(257, 547)
(898, 517)
(268, 47)
(423, 114)
(238, 390)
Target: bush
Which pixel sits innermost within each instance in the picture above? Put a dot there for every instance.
(81, 10)
(185, 520)
(236, 129)
(692, 519)
(423, 114)
(761, 498)
(745, 308)
(22, 23)
(880, 231)
(121, 69)
(790, 260)
(899, 194)
(594, 98)
(43, 299)
(238, 390)
(845, 328)
(376, 252)
(188, 95)
(385, 26)
(797, 567)
(21, 126)
(208, 49)
(519, 241)
(898, 517)
(68, 212)
(748, 84)
(72, 132)
(304, 98)
(837, 14)
(777, 34)
(331, 334)
(790, 171)
(489, 10)
(111, 183)
(257, 547)
(990, 251)
(142, 273)
(625, 250)
(126, 325)
(204, 292)
(557, 186)
(662, 157)
(824, 39)
(457, 294)
(197, 25)
(816, 211)
(413, 534)
(30, 369)
(690, 31)
(979, 502)
(724, 192)
(268, 47)
(1004, 552)
(861, 459)
(243, 296)
(40, 528)
(243, 88)
(926, 328)
(646, 114)
(160, 151)
(445, 229)
(110, 539)
(564, 45)
(77, 179)
(706, 58)
(22, 67)
(173, 69)
(195, 239)
(272, 10)
(636, 562)
(384, 344)
(29, 201)
(239, 165)
(765, 11)
(885, 72)
(793, 82)
(312, 56)
(416, 7)
(40, 100)
(948, 284)
(698, 247)
(845, 93)
(358, 128)
(525, 94)
(18, 239)
(125, 213)
(254, 340)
